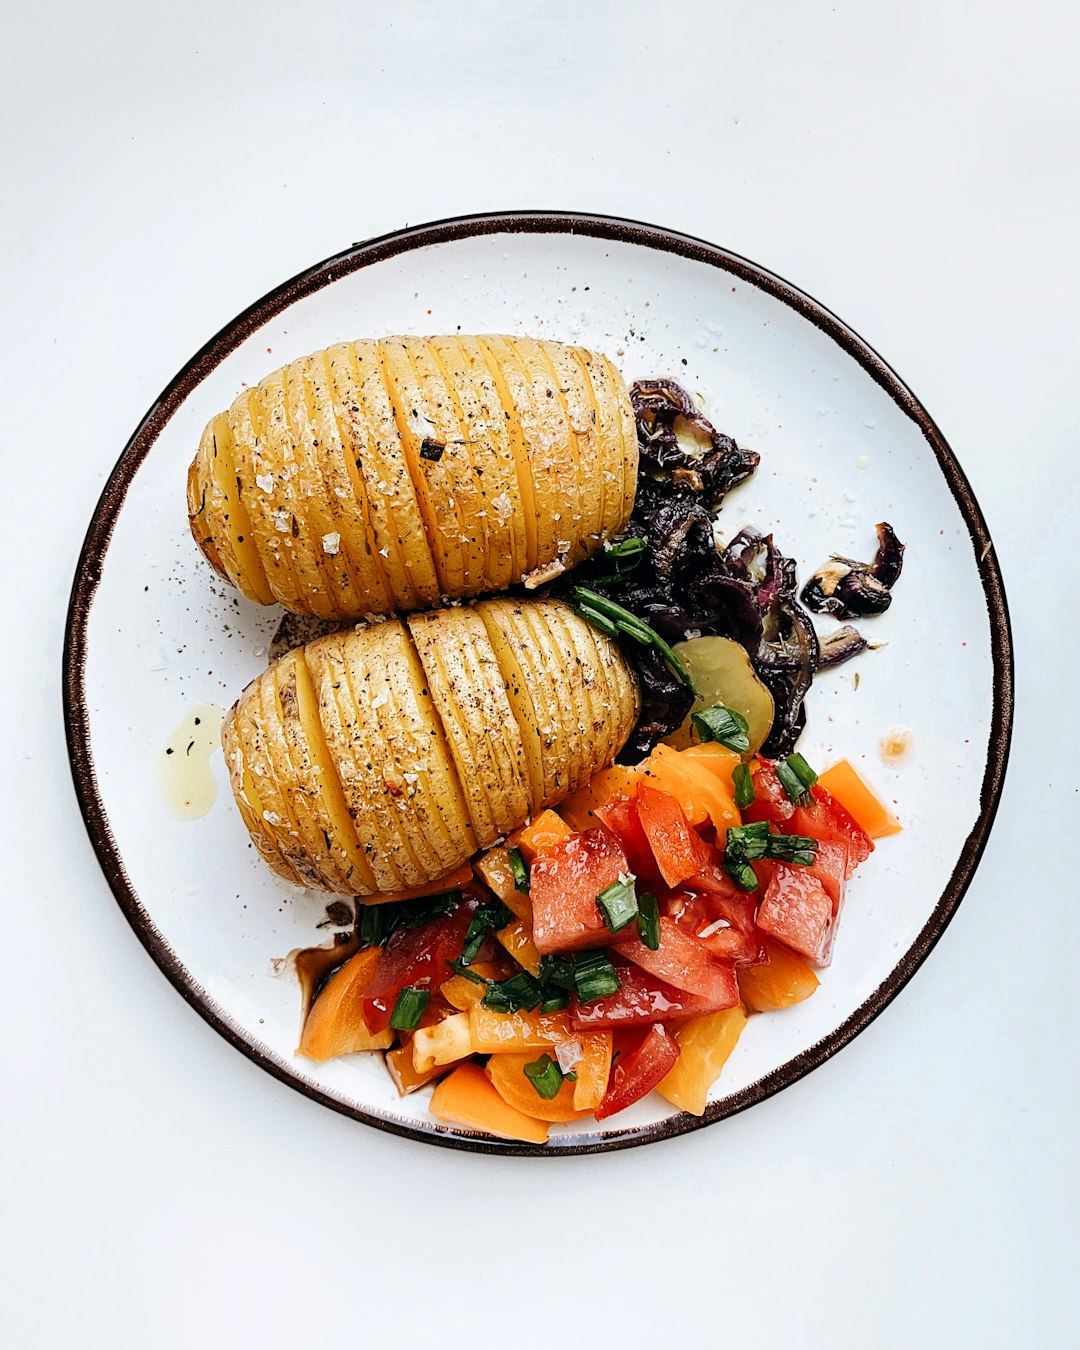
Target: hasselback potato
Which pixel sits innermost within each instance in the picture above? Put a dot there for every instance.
(382, 757)
(379, 477)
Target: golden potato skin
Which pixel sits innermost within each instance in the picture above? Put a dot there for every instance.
(383, 757)
(377, 477)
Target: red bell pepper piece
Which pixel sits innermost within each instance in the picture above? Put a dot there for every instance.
(619, 816)
(798, 911)
(642, 999)
(677, 847)
(683, 962)
(636, 1072)
(563, 886)
(416, 956)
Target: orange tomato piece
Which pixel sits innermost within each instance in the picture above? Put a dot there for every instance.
(784, 980)
(453, 881)
(696, 784)
(335, 1025)
(517, 938)
(466, 1097)
(540, 835)
(496, 1032)
(614, 781)
(593, 1069)
(399, 1061)
(507, 1074)
(718, 759)
(844, 782)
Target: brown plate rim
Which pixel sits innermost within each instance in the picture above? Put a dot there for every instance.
(364, 254)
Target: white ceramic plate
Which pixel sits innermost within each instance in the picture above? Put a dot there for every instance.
(151, 631)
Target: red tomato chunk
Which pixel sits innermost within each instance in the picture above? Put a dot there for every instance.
(563, 886)
(642, 999)
(415, 956)
(678, 849)
(685, 963)
(798, 911)
(638, 1071)
(620, 817)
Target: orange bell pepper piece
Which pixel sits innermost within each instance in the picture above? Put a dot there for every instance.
(859, 800)
(467, 1098)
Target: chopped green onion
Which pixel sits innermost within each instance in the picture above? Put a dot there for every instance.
(597, 620)
(626, 548)
(459, 968)
(796, 778)
(742, 874)
(545, 1076)
(618, 904)
(613, 619)
(725, 725)
(792, 848)
(519, 992)
(494, 915)
(747, 842)
(520, 871)
(594, 976)
(558, 1002)
(743, 782)
(375, 925)
(648, 921)
(556, 972)
(409, 1008)
(416, 913)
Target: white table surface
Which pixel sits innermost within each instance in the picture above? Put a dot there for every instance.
(912, 166)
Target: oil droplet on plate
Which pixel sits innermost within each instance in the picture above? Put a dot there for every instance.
(185, 779)
(895, 745)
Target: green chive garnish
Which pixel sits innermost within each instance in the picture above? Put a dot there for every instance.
(494, 915)
(725, 725)
(416, 913)
(742, 874)
(747, 842)
(409, 1008)
(557, 1002)
(796, 778)
(792, 848)
(648, 921)
(594, 976)
(520, 871)
(618, 904)
(459, 968)
(556, 972)
(613, 619)
(545, 1076)
(626, 548)
(519, 992)
(374, 925)
(743, 782)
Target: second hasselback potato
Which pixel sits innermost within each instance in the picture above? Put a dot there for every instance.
(382, 758)
(378, 477)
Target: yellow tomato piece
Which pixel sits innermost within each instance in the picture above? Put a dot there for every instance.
(704, 1046)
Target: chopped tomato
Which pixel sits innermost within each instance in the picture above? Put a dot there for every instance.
(641, 999)
(832, 866)
(683, 962)
(827, 821)
(636, 1072)
(770, 802)
(798, 911)
(847, 787)
(678, 849)
(722, 920)
(620, 818)
(415, 956)
(563, 886)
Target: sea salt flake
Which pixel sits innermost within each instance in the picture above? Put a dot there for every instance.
(331, 542)
(265, 481)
